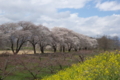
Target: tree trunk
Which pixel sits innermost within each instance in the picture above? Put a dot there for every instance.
(76, 49)
(63, 48)
(42, 50)
(60, 48)
(54, 49)
(12, 46)
(69, 49)
(34, 48)
(18, 48)
(15, 53)
(79, 49)
(85, 48)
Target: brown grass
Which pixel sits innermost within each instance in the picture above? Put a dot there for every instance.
(22, 51)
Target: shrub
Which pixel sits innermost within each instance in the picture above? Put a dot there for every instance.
(105, 66)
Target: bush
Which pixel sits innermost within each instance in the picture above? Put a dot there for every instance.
(105, 66)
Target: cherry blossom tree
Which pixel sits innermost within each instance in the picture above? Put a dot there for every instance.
(17, 39)
(5, 31)
(26, 25)
(33, 38)
(54, 41)
(43, 37)
(16, 34)
(61, 33)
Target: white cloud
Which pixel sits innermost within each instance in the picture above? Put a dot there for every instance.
(62, 3)
(114, 34)
(45, 12)
(91, 26)
(40, 5)
(108, 6)
(36, 9)
(4, 19)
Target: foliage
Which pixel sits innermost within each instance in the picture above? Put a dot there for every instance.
(105, 66)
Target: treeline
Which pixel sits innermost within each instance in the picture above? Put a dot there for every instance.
(108, 43)
(15, 35)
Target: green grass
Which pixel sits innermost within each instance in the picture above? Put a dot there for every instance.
(19, 76)
(25, 75)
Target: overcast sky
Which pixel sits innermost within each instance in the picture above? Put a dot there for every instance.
(89, 17)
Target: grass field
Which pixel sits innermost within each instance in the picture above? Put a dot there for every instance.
(30, 67)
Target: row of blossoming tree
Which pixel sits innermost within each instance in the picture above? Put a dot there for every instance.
(15, 35)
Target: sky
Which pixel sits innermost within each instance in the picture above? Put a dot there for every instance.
(88, 17)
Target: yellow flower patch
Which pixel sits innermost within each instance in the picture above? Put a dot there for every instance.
(105, 66)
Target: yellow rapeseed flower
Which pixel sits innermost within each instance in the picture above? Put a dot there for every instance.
(105, 66)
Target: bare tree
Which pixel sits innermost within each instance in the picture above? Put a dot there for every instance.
(1, 41)
(33, 70)
(116, 42)
(4, 68)
(105, 43)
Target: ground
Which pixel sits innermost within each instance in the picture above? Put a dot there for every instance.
(29, 66)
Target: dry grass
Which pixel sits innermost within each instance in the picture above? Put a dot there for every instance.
(22, 51)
